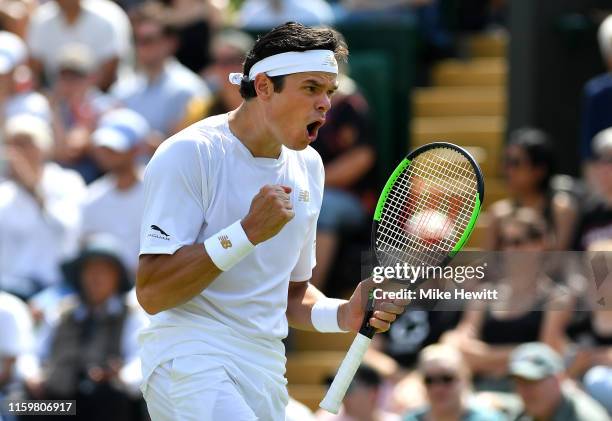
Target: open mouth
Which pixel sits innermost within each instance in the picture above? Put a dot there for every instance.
(313, 129)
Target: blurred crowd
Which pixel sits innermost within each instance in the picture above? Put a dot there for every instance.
(88, 91)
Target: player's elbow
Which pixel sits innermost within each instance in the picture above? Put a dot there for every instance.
(146, 301)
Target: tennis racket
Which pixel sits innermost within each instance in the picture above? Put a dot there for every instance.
(424, 216)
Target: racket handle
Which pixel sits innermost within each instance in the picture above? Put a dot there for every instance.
(333, 399)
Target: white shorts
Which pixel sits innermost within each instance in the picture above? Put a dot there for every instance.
(206, 388)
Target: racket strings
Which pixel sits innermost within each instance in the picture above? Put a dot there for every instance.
(427, 210)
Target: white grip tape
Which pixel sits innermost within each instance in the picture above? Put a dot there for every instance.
(333, 399)
(324, 315)
(228, 246)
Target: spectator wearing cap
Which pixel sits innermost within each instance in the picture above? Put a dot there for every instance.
(362, 400)
(448, 388)
(90, 354)
(114, 203)
(39, 209)
(595, 222)
(15, 97)
(77, 104)
(162, 87)
(538, 375)
(58, 23)
(229, 50)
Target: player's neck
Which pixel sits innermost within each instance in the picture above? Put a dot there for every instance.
(247, 123)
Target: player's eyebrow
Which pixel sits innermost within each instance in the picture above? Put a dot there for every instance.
(317, 84)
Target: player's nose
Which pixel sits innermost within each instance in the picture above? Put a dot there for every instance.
(323, 103)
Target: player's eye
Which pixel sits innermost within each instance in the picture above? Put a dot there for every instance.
(311, 89)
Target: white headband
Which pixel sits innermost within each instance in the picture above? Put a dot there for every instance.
(291, 62)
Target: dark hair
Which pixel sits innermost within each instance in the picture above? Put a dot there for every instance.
(146, 13)
(539, 150)
(290, 36)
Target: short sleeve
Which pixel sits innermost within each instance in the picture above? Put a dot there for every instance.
(175, 197)
(307, 260)
(308, 256)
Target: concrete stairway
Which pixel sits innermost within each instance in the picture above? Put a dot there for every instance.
(466, 105)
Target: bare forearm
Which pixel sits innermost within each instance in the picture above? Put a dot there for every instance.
(166, 281)
(301, 297)
(484, 358)
(347, 169)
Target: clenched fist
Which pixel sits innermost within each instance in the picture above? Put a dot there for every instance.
(270, 210)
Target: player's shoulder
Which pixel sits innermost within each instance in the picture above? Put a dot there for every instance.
(206, 139)
(311, 158)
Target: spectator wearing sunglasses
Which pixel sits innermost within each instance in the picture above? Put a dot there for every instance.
(595, 223)
(529, 166)
(229, 50)
(446, 379)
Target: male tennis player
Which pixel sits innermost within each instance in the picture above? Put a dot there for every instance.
(228, 237)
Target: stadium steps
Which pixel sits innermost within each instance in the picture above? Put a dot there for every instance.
(488, 45)
(317, 341)
(483, 136)
(467, 105)
(459, 101)
(308, 394)
(488, 71)
(313, 367)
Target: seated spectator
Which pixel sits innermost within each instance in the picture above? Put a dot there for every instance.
(345, 144)
(595, 221)
(361, 401)
(447, 383)
(90, 353)
(39, 209)
(195, 22)
(529, 166)
(255, 15)
(581, 329)
(114, 203)
(77, 105)
(597, 96)
(490, 330)
(15, 95)
(58, 23)
(163, 87)
(229, 50)
(537, 372)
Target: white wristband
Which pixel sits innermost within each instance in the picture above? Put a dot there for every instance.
(324, 315)
(228, 246)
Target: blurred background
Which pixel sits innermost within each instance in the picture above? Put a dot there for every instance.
(90, 88)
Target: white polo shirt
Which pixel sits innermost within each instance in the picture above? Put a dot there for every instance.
(200, 181)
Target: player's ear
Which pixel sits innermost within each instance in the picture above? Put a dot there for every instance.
(263, 86)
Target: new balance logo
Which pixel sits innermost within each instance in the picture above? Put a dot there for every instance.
(225, 241)
(161, 231)
(304, 196)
